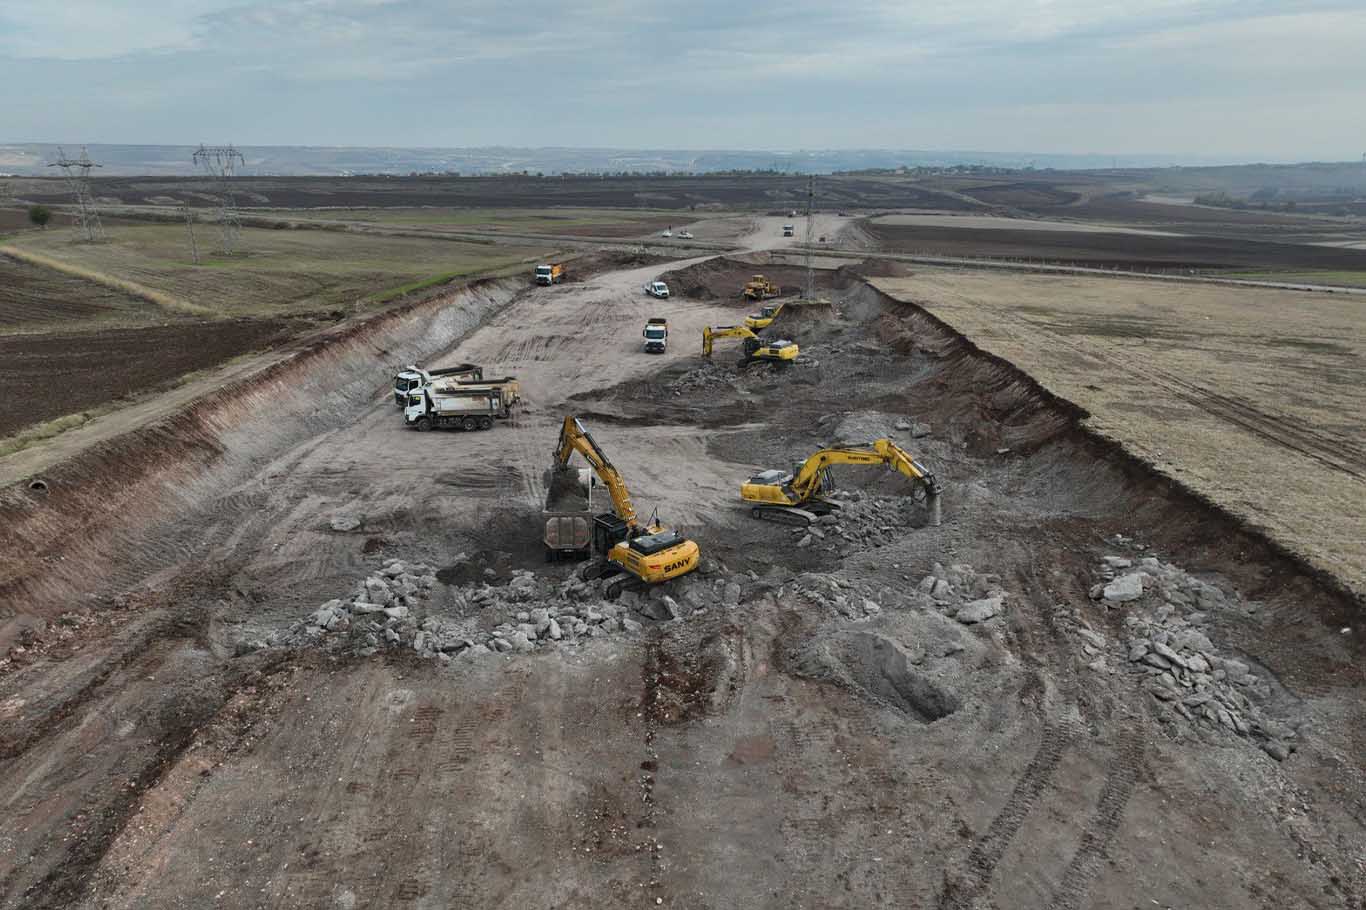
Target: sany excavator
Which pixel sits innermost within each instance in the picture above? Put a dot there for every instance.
(756, 348)
(798, 498)
(647, 552)
(764, 318)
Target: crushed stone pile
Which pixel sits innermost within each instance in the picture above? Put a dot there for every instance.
(858, 427)
(862, 521)
(525, 614)
(957, 592)
(1190, 678)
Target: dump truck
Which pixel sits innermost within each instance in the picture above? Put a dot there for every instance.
(413, 377)
(460, 409)
(656, 335)
(550, 274)
(789, 231)
(507, 388)
(568, 514)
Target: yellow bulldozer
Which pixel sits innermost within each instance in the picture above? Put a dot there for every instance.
(759, 288)
(798, 497)
(756, 349)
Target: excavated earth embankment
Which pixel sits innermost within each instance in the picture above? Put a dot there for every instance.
(84, 518)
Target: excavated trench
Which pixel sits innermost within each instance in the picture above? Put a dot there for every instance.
(89, 517)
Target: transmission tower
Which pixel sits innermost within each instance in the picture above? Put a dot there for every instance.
(810, 231)
(189, 226)
(76, 172)
(220, 162)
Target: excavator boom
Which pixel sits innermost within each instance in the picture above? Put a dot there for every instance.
(574, 437)
(773, 490)
(650, 553)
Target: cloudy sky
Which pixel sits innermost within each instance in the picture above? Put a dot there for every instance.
(1254, 78)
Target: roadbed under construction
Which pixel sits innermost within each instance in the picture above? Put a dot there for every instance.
(1087, 688)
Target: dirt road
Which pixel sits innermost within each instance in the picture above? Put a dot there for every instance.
(816, 729)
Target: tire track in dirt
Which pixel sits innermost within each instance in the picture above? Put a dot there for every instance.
(1124, 767)
(1057, 735)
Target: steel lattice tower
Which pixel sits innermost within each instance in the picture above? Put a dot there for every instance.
(76, 171)
(810, 230)
(220, 162)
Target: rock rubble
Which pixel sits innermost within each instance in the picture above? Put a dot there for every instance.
(1167, 644)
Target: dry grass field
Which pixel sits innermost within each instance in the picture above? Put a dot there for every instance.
(283, 272)
(1254, 399)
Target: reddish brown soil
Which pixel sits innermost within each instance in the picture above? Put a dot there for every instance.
(31, 296)
(45, 376)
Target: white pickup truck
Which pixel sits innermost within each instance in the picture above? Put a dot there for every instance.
(657, 289)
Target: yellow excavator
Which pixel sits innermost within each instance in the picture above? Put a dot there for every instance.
(799, 497)
(756, 349)
(759, 288)
(621, 543)
(764, 318)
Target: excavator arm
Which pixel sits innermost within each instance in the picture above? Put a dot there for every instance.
(575, 438)
(809, 478)
(723, 331)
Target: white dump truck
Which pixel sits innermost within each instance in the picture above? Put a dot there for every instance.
(656, 335)
(412, 378)
(454, 409)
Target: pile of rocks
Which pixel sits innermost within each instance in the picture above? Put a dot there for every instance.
(862, 521)
(1167, 643)
(857, 427)
(958, 592)
(709, 377)
(526, 613)
(381, 604)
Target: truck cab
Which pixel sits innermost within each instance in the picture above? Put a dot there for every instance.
(656, 335)
(789, 230)
(550, 274)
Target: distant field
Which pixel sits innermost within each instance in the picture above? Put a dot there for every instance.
(1253, 398)
(1348, 279)
(590, 222)
(35, 299)
(283, 272)
(1114, 250)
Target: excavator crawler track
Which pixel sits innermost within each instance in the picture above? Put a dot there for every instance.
(787, 515)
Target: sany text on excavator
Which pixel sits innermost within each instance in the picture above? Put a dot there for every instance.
(777, 351)
(798, 498)
(621, 543)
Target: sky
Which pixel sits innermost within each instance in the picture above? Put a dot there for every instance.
(1252, 79)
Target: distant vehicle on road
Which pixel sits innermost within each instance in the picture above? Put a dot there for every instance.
(667, 232)
(657, 289)
(789, 230)
(550, 274)
(685, 235)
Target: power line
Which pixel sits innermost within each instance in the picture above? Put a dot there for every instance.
(76, 172)
(220, 162)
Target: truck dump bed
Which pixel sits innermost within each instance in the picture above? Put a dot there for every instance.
(567, 513)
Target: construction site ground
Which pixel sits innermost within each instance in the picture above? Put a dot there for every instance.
(886, 714)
